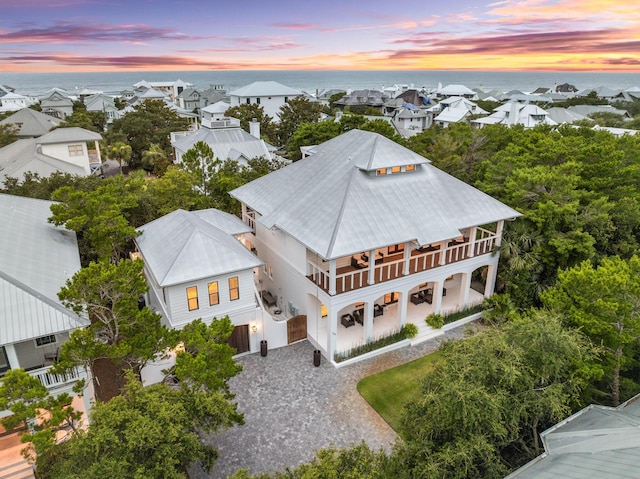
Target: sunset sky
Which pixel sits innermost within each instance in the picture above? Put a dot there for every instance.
(108, 35)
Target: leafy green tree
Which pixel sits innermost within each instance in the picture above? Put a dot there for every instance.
(8, 134)
(89, 120)
(33, 186)
(200, 162)
(121, 335)
(121, 152)
(155, 159)
(604, 303)
(176, 189)
(482, 408)
(147, 432)
(309, 134)
(151, 122)
(97, 217)
(606, 118)
(31, 403)
(247, 112)
(294, 113)
(383, 128)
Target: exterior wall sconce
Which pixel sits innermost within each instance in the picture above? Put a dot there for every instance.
(254, 328)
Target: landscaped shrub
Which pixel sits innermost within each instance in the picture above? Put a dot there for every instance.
(435, 320)
(406, 332)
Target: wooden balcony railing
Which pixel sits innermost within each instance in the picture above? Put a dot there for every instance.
(391, 267)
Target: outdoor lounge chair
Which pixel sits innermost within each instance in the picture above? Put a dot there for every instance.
(347, 320)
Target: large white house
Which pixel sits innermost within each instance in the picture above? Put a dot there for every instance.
(364, 236)
(270, 95)
(36, 258)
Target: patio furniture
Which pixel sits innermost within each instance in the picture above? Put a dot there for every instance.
(379, 257)
(417, 297)
(347, 320)
(268, 298)
(358, 315)
(359, 261)
(378, 310)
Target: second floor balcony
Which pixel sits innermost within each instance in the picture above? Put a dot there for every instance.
(394, 262)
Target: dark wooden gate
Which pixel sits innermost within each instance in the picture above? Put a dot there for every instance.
(297, 328)
(239, 338)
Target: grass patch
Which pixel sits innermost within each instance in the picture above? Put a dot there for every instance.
(388, 391)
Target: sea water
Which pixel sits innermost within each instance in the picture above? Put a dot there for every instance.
(311, 81)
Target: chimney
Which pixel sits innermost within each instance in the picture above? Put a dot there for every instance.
(254, 128)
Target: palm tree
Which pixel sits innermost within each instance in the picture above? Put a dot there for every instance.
(121, 152)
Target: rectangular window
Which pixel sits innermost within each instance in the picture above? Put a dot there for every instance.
(410, 167)
(45, 340)
(214, 297)
(395, 169)
(248, 101)
(258, 100)
(234, 288)
(382, 171)
(75, 150)
(192, 297)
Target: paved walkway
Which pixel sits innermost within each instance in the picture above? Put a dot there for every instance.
(292, 408)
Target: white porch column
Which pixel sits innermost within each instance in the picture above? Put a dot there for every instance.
(490, 282)
(437, 293)
(332, 332)
(443, 253)
(406, 258)
(12, 357)
(402, 308)
(98, 151)
(368, 321)
(465, 284)
(332, 277)
(472, 242)
(499, 229)
(372, 267)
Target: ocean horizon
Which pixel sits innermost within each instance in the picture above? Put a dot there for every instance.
(311, 81)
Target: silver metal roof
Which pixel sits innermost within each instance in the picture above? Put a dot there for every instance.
(67, 135)
(598, 441)
(31, 122)
(334, 203)
(186, 246)
(223, 140)
(23, 155)
(265, 88)
(36, 258)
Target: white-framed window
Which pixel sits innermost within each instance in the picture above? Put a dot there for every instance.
(214, 294)
(268, 270)
(234, 288)
(192, 298)
(44, 340)
(76, 150)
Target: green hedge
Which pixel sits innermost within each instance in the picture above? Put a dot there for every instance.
(406, 332)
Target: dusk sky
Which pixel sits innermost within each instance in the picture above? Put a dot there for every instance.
(112, 35)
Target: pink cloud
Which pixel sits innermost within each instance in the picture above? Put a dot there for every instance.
(296, 26)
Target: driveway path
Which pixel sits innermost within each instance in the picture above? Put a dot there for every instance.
(292, 408)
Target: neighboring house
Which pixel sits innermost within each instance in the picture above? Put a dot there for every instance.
(213, 94)
(13, 102)
(61, 150)
(225, 137)
(196, 267)
(515, 113)
(411, 120)
(170, 88)
(562, 115)
(105, 104)
(363, 237)
(598, 441)
(456, 90)
(617, 131)
(190, 99)
(587, 110)
(36, 259)
(363, 98)
(455, 109)
(270, 95)
(603, 92)
(57, 103)
(31, 123)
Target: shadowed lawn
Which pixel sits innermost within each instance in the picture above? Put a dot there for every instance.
(388, 391)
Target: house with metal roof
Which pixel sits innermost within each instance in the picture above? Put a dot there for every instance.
(515, 113)
(598, 441)
(36, 259)
(364, 236)
(62, 150)
(455, 109)
(197, 267)
(13, 102)
(31, 123)
(169, 88)
(225, 137)
(270, 95)
(57, 103)
(103, 103)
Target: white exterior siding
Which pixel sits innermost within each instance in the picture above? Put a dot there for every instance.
(61, 151)
(177, 307)
(270, 104)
